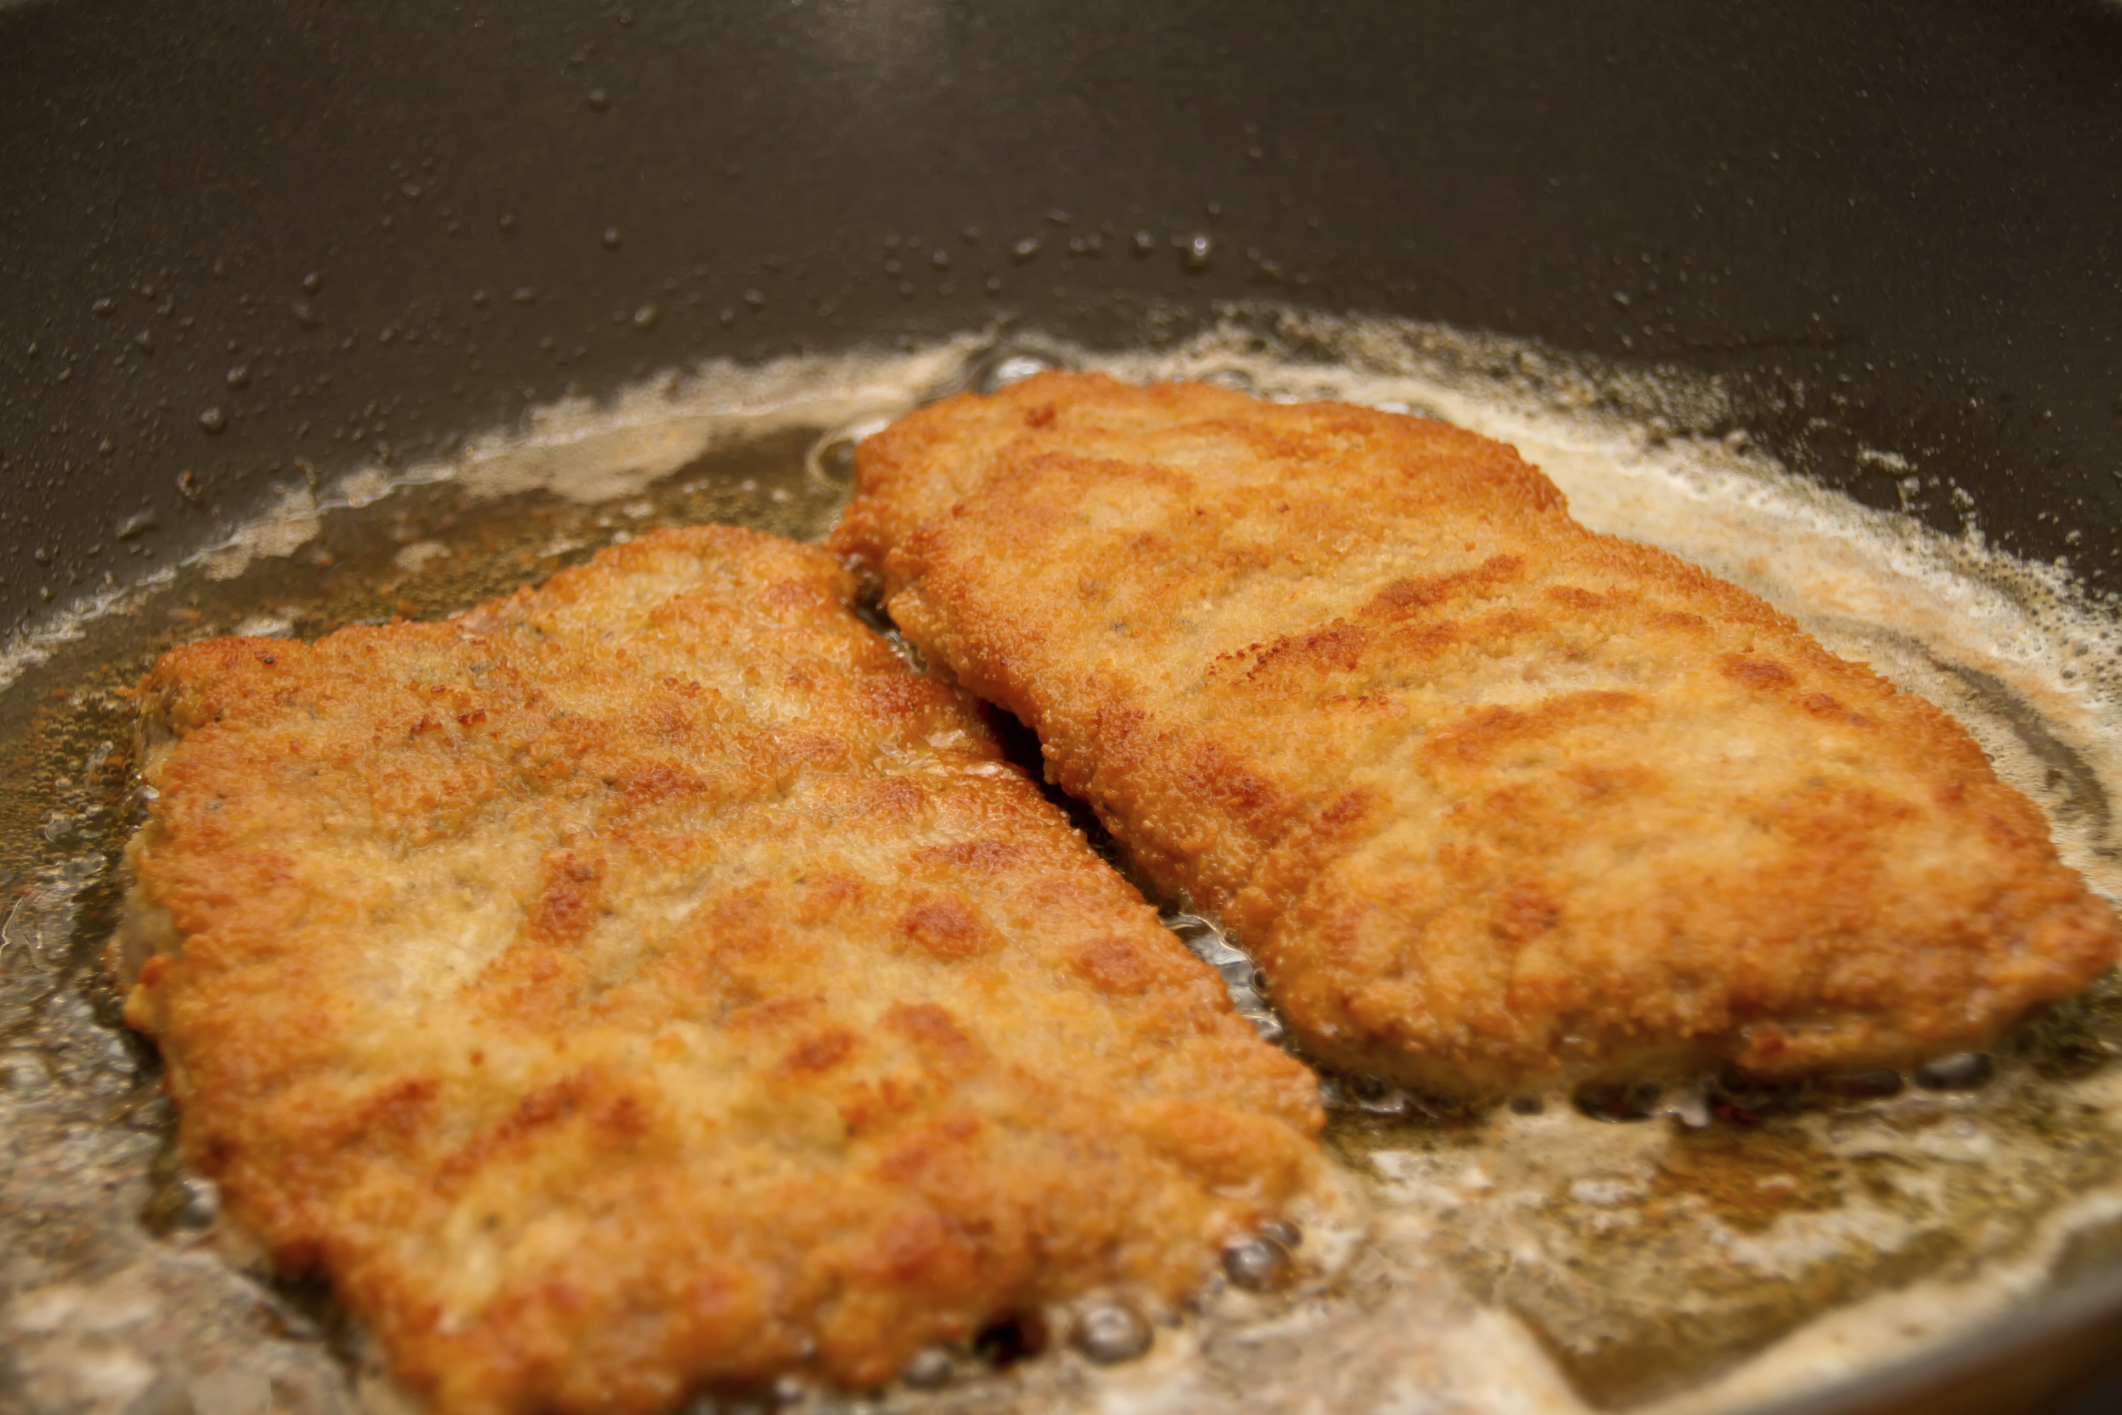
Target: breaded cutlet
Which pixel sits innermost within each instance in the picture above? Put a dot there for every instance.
(646, 982)
(1495, 801)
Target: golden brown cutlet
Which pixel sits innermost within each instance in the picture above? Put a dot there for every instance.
(1494, 800)
(646, 981)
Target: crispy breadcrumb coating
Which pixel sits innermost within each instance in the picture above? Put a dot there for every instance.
(1493, 799)
(646, 982)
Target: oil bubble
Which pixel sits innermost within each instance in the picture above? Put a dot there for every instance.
(830, 462)
(1377, 1097)
(1111, 1332)
(930, 1369)
(1257, 1264)
(1965, 1072)
(199, 1203)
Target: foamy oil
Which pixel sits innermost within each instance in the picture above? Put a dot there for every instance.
(1689, 1249)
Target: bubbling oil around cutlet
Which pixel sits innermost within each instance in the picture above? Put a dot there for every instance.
(1512, 1243)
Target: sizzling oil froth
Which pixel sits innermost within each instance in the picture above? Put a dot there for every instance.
(1456, 1280)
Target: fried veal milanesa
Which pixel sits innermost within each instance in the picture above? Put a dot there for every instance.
(646, 982)
(1494, 800)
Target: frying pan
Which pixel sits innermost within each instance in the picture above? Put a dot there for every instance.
(243, 242)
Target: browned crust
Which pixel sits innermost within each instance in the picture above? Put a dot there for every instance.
(645, 981)
(1492, 797)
